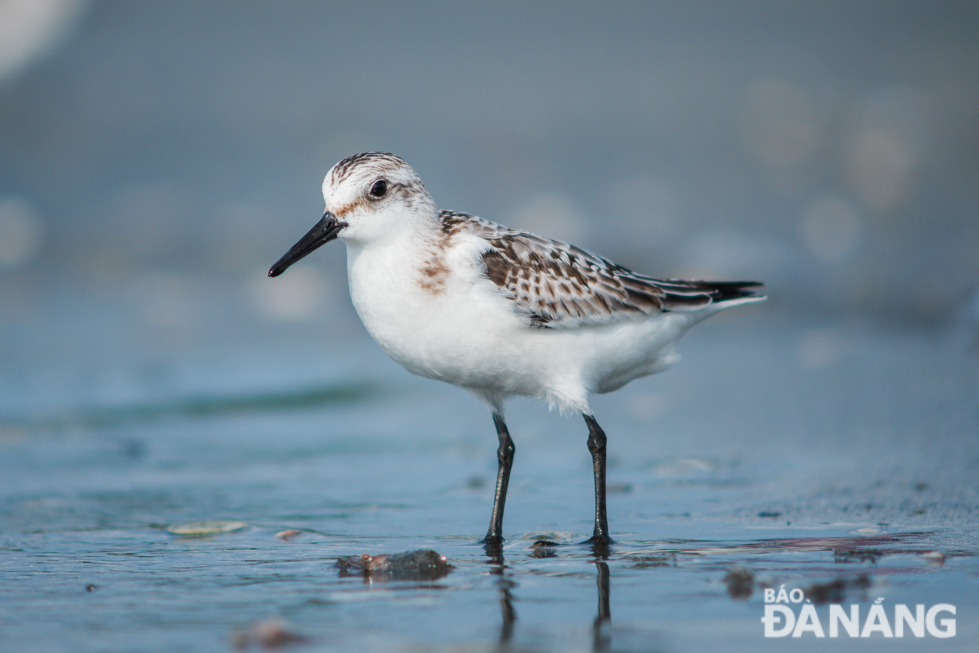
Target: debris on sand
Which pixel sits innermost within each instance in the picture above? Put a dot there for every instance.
(422, 564)
(271, 634)
(846, 556)
(543, 549)
(831, 592)
(740, 582)
(207, 527)
(835, 590)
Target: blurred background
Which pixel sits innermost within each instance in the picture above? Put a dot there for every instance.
(151, 154)
(156, 158)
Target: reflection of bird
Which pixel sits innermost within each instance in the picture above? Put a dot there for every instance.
(500, 311)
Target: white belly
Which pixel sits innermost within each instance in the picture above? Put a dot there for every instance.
(467, 334)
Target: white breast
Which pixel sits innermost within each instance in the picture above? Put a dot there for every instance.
(432, 317)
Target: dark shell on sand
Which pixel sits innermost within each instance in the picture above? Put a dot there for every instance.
(422, 564)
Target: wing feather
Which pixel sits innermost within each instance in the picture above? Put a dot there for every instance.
(556, 285)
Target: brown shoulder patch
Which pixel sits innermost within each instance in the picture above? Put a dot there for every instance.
(434, 274)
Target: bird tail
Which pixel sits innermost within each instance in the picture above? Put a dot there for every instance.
(694, 295)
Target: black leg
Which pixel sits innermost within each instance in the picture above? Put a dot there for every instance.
(596, 445)
(494, 536)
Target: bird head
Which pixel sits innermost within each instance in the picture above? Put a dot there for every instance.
(369, 197)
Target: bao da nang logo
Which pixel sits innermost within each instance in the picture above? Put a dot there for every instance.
(791, 613)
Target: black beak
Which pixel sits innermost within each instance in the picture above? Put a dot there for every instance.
(324, 231)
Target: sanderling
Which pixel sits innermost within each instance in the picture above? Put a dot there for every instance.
(500, 311)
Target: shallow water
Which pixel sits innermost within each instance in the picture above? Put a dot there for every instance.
(752, 452)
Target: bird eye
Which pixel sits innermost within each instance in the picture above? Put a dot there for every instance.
(379, 188)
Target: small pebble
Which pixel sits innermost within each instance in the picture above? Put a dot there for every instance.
(835, 590)
(270, 634)
(831, 592)
(740, 582)
(543, 549)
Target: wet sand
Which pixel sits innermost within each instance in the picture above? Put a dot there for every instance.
(745, 468)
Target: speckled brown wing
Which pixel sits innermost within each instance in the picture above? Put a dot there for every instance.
(557, 285)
